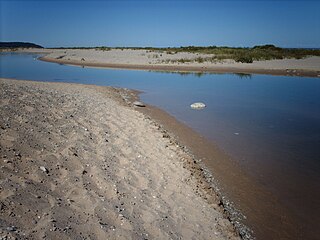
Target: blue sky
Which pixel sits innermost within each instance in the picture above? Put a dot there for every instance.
(161, 23)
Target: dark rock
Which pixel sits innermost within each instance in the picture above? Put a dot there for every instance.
(138, 104)
(12, 229)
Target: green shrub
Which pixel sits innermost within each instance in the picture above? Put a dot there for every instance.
(103, 48)
(244, 59)
(199, 60)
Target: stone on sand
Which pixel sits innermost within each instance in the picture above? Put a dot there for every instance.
(138, 104)
(42, 168)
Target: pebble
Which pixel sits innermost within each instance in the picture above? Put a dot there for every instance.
(138, 104)
(12, 229)
(42, 168)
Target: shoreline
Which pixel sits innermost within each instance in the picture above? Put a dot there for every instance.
(186, 163)
(191, 69)
(232, 184)
(250, 204)
(218, 177)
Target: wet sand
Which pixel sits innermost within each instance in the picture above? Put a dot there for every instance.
(79, 161)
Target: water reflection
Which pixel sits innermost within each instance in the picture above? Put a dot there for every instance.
(186, 73)
(243, 75)
(201, 74)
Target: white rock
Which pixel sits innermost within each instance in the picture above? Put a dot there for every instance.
(42, 168)
(198, 105)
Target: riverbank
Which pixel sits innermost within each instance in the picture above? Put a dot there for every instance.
(180, 61)
(267, 213)
(79, 160)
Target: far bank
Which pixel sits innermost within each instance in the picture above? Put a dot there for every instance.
(177, 61)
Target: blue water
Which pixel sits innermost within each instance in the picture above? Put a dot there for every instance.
(270, 125)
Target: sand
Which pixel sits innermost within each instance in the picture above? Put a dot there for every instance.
(155, 60)
(80, 162)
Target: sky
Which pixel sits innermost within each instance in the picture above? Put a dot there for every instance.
(58, 23)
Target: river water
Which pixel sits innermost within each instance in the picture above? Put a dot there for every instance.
(269, 125)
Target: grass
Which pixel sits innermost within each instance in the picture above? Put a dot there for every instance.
(189, 60)
(245, 55)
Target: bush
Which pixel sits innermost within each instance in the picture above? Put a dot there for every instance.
(199, 60)
(103, 48)
(244, 59)
(267, 47)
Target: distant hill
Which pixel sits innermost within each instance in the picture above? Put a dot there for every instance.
(19, 45)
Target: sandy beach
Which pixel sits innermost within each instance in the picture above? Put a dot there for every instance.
(80, 162)
(159, 120)
(163, 61)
